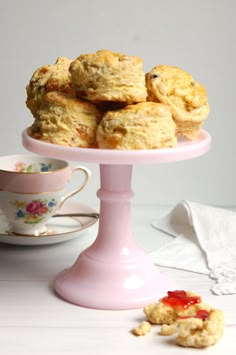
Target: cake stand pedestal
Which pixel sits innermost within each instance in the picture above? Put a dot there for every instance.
(114, 273)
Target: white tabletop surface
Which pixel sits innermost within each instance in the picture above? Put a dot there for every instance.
(33, 320)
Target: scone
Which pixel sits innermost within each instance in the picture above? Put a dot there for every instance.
(109, 76)
(48, 78)
(66, 120)
(197, 324)
(146, 125)
(186, 97)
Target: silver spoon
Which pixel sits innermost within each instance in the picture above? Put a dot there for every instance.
(92, 215)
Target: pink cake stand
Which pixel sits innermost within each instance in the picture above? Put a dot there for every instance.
(114, 273)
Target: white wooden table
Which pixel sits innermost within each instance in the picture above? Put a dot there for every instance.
(33, 320)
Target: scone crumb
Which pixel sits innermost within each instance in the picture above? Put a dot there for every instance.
(167, 329)
(143, 329)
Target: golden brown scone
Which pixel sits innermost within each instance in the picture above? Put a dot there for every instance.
(146, 125)
(198, 333)
(66, 120)
(186, 97)
(109, 76)
(48, 78)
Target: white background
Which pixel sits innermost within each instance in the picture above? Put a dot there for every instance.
(198, 36)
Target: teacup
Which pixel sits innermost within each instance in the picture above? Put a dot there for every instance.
(32, 189)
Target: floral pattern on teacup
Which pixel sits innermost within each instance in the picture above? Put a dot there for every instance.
(35, 211)
(32, 168)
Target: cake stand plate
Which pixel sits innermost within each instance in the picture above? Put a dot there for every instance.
(114, 273)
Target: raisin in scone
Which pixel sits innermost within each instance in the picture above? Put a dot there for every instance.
(186, 97)
(55, 77)
(109, 76)
(146, 125)
(66, 120)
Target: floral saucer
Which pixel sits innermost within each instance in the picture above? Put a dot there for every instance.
(59, 229)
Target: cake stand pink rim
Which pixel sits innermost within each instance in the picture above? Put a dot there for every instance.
(185, 149)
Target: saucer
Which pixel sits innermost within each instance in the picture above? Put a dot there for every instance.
(59, 229)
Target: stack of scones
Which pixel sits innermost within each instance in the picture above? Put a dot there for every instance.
(105, 100)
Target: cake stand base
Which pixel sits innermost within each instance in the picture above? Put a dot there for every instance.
(100, 285)
(93, 284)
(113, 273)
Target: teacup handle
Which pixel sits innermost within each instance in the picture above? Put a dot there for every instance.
(87, 174)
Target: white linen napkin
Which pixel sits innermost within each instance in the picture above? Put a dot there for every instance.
(204, 242)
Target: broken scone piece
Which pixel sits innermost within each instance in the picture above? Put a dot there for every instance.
(196, 324)
(176, 304)
(142, 329)
(200, 332)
